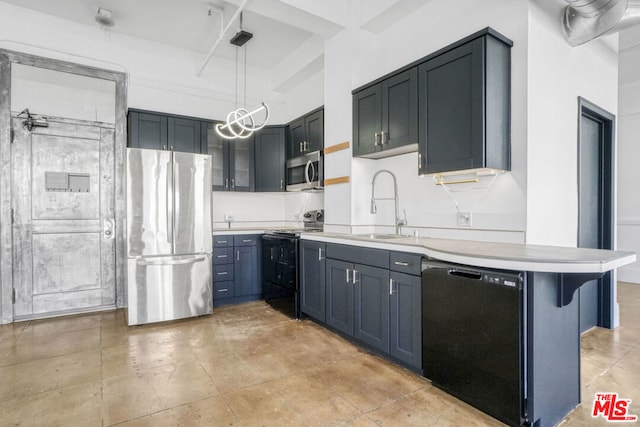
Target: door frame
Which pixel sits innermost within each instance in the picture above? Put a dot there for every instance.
(607, 301)
(7, 58)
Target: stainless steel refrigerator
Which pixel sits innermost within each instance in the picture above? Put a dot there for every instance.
(168, 235)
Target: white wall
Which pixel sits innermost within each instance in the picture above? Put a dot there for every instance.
(262, 209)
(628, 156)
(558, 75)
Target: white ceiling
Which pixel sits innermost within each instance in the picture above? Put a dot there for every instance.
(187, 24)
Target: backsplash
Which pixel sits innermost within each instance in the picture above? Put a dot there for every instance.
(235, 209)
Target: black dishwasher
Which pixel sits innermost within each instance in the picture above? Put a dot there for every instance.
(472, 337)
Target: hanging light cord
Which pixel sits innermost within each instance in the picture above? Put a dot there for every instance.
(240, 122)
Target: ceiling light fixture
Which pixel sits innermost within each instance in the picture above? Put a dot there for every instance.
(240, 122)
(103, 17)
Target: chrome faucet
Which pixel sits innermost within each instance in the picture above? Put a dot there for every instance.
(374, 209)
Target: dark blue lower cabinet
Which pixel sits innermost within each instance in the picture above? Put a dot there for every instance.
(371, 305)
(246, 271)
(378, 305)
(405, 317)
(312, 279)
(339, 299)
(236, 269)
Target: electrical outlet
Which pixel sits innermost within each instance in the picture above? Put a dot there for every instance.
(464, 219)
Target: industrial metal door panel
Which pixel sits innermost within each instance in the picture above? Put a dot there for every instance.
(192, 203)
(167, 288)
(63, 232)
(149, 202)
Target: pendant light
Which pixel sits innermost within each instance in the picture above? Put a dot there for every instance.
(241, 123)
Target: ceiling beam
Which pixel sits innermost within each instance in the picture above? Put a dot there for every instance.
(299, 13)
(303, 62)
(381, 14)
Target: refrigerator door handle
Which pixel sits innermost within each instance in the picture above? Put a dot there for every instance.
(164, 261)
(169, 202)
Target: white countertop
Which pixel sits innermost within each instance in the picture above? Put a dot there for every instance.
(508, 256)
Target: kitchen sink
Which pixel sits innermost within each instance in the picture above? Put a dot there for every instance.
(380, 236)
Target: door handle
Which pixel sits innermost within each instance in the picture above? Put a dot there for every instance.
(171, 262)
(108, 229)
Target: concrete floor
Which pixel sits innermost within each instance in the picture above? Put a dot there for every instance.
(249, 365)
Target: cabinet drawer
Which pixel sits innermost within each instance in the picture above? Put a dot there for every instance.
(222, 241)
(359, 255)
(223, 289)
(222, 255)
(222, 272)
(405, 263)
(245, 240)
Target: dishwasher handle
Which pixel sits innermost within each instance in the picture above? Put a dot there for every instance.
(467, 274)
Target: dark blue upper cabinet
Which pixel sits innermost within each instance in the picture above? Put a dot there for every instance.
(270, 158)
(385, 116)
(306, 134)
(464, 106)
(159, 131)
(147, 130)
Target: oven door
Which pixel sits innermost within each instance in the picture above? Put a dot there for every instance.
(305, 172)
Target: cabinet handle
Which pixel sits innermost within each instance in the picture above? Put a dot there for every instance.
(226, 183)
(381, 137)
(375, 139)
(353, 275)
(306, 146)
(221, 241)
(171, 148)
(300, 145)
(233, 183)
(246, 240)
(237, 255)
(347, 275)
(319, 254)
(223, 273)
(390, 286)
(282, 184)
(419, 161)
(223, 290)
(221, 256)
(404, 264)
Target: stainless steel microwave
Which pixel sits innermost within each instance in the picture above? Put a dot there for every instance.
(305, 172)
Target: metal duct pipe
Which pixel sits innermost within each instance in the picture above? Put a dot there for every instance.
(585, 20)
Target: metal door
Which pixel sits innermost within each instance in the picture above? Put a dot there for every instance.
(63, 228)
